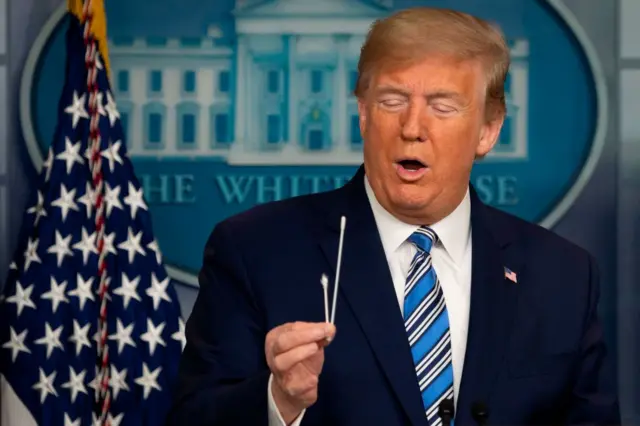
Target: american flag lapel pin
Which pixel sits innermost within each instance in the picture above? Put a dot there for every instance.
(510, 275)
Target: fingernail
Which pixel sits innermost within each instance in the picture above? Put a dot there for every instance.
(328, 329)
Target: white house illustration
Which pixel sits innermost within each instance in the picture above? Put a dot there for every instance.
(282, 94)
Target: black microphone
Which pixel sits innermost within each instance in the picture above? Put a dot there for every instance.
(480, 413)
(445, 411)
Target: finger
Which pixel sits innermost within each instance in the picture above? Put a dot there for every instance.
(274, 333)
(284, 361)
(304, 389)
(291, 339)
(301, 325)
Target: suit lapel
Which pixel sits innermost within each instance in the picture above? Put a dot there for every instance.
(493, 301)
(367, 288)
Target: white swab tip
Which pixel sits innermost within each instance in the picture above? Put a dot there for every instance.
(343, 223)
(324, 280)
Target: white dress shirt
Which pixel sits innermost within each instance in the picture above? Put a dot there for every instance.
(451, 261)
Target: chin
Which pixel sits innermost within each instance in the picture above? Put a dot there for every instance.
(409, 203)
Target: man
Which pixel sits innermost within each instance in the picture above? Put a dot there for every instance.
(441, 298)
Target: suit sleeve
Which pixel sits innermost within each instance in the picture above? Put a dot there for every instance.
(223, 374)
(594, 398)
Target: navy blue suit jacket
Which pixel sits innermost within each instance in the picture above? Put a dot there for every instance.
(535, 352)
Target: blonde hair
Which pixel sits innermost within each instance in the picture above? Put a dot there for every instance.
(408, 36)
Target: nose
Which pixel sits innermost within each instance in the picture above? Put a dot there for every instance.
(413, 126)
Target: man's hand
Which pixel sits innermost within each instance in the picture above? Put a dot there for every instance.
(295, 355)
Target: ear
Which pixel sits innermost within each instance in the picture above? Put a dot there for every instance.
(489, 136)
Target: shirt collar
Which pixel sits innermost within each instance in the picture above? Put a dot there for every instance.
(453, 231)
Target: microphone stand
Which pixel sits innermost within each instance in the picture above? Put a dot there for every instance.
(480, 413)
(446, 411)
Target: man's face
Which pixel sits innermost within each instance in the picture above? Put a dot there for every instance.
(423, 126)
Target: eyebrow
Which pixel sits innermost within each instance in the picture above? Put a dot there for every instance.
(438, 94)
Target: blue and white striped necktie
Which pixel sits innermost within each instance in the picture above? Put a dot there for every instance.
(427, 324)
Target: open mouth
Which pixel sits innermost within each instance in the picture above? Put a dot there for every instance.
(411, 165)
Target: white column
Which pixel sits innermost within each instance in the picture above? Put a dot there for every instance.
(241, 121)
(339, 126)
(171, 93)
(519, 88)
(138, 85)
(205, 91)
(293, 92)
(254, 89)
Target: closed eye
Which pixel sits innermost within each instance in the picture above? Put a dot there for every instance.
(443, 109)
(392, 103)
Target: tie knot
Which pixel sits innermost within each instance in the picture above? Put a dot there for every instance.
(424, 238)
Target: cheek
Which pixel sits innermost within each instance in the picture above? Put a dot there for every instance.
(454, 144)
(382, 131)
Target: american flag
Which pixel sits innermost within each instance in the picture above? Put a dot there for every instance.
(90, 326)
(510, 275)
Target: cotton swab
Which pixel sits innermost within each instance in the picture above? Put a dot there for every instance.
(325, 287)
(343, 225)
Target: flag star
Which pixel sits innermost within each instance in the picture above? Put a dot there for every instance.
(98, 62)
(79, 336)
(149, 380)
(13, 266)
(118, 381)
(100, 104)
(71, 154)
(153, 335)
(66, 202)
(56, 294)
(180, 335)
(75, 383)
(95, 384)
(153, 245)
(83, 290)
(112, 154)
(51, 338)
(61, 247)
(45, 385)
(112, 198)
(112, 109)
(158, 290)
(77, 109)
(31, 253)
(123, 336)
(114, 421)
(88, 153)
(132, 245)
(16, 343)
(88, 199)
(22, 298)
(38, 209)
(86, 245)
(47, 164)
(135, 200)
(96, 336)
(69, 422)
(108, 243)
(128, 289)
